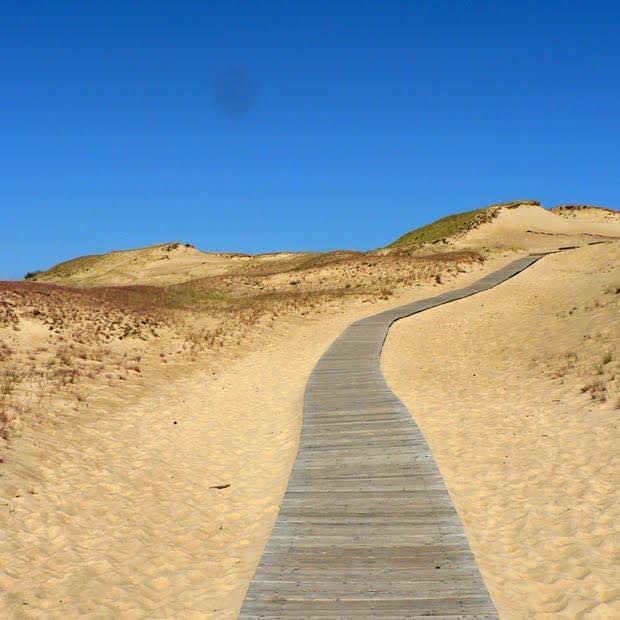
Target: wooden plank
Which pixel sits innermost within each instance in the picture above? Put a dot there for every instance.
(367, 528)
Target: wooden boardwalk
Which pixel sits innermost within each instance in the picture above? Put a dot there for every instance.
(367, 528)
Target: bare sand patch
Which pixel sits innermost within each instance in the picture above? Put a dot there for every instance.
(516, 390)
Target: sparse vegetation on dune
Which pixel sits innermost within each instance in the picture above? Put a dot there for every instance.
(455, 224)
(517, 225)
(195, 362)
(82, 264)
(72, 266)
(529, 371)
(593, 363)
(163, 263)
(56, 339)
(439, 230)
(567, 208)
(89, 319)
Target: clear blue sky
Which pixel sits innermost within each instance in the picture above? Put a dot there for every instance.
(255, 126)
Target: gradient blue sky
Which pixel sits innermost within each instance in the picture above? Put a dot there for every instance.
(256, 126)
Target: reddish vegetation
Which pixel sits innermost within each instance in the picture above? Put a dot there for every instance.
(107, 312)
(56, 341)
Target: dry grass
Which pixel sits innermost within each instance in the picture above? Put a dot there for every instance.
(594, 363)
(57, 341)
(83, 264)
(456, 224)
(571, 209)
(597, 390)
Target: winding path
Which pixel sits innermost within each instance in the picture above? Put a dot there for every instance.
(367, 528)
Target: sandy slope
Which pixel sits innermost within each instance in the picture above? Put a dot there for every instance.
(166, 263)
(110, 511)
(112, 514)
(495, 382)
(534, 228)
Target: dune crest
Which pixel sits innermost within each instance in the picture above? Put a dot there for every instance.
(166, 263)
(531, 227)
(587, 212)
(518, 225)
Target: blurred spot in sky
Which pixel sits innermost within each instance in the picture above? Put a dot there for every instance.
(234, 92)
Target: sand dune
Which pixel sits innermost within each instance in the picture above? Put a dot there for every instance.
(110, 509)
(167, 263)
(517, 391)
(587, 213)
(113, 514)
(534, 228)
